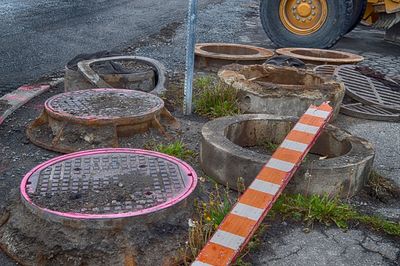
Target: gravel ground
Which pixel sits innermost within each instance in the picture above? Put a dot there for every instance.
(284, 243)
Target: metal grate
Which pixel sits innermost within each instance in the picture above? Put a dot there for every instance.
(371, 112)
(107, 103)
(108, 182)
(367, 90)
(325, 70)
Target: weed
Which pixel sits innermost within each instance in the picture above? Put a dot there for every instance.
(381, 188)
(204, 82)
(326, 210)
(270, 146)
(215, 99)
(313, 209)
(379, 224)
(177, 149)
(209, 215)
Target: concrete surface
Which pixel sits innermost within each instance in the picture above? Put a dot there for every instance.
(323, 246)
(41, 36)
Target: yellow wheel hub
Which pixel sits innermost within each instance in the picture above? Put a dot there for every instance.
(303, 17)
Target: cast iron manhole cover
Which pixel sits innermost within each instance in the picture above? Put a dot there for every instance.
(108, 183)
(321, 56)
(325, 70)
(367, 90)
(371, 112)
(96, 118)
(104, 104)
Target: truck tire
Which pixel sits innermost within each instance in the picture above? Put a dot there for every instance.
(359, 7)
(313, 23)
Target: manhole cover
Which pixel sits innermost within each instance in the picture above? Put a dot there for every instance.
(321, 56)
(371, 112)
(326, 71)
(106, 184)
(95, 118)
(104, 104)
(212, 55)
(367, 90)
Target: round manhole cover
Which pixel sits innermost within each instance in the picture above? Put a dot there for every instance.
(106, 184)
(369, 89)
(104, 104)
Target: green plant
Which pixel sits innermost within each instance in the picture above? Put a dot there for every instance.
(217, 100)
(177, 149)
(313, 209)
(325, 210)
(204, 82)
(270, 146)
(381, 188)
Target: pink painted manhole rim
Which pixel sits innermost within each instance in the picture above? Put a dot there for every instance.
(185, 171)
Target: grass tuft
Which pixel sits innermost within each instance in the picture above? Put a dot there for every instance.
(382, 188)
(325, 210)
(215, 99)
(177, 149)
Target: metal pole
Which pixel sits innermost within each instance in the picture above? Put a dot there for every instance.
(190, 46)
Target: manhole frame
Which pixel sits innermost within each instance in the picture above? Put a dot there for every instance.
(350, 58)
(84, 68)
(210, 60)
(57, 215)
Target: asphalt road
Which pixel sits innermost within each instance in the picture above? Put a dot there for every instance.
(40, 36)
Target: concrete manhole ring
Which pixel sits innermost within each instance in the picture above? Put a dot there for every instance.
(280, 90)
(339, 164)
(95, 118)
(106, 185)
(151, 79)
(215, 55)
(321, 56)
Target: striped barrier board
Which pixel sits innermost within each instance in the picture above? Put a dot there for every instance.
(240, 224)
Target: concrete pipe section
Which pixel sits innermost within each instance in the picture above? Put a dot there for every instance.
(280, 90)
(211, 56)
(232, 147)
(135, 73)
(96, 118)
(101, 207)
(321, 56)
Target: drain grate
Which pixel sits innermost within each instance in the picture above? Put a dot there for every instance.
(370, 112)
(367, 90)
(107, 183)
(326, 71)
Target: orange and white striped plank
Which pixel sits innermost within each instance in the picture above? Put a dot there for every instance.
(240, 224)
